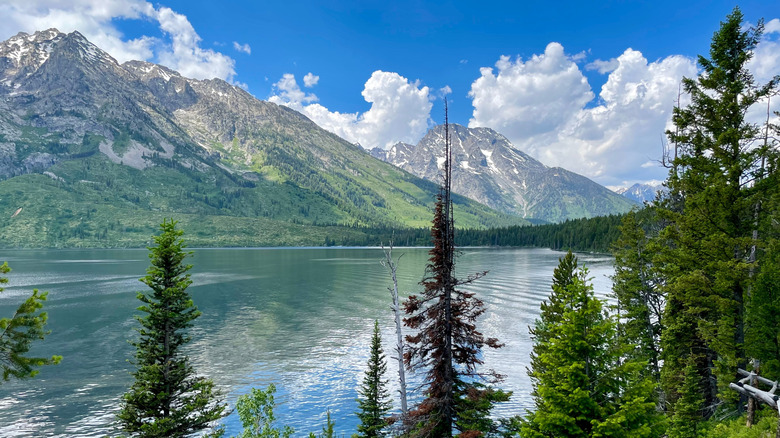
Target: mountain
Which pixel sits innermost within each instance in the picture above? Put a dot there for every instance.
(640, 193)
(489, 169)
(95, 153)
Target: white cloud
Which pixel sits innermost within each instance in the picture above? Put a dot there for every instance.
(531, 98)
(445, 90)
(602, 66)
(242, 47)
(288, 92)
(540, 104)
(400, 110)
(765, 65)
(773, 26)
(766, 56)
(310, 80)
(178, 47)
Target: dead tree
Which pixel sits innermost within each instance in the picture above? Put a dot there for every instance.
(392, 266)
(447, 344)
(748, 387)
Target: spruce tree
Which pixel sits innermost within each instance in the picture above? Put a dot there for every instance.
(18, 332)
(374, 401)
(640, 301)
(167, 398)
(582, 385)
(716, 190)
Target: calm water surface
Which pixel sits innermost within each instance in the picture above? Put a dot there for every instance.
(298, 318)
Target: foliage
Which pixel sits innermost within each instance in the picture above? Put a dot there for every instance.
(716, 183)
(766, 427)
(167, 398)
(374, 401)
(327, 429)
(587, 234)
(256, 413)
(637, 289)
(582, 385)
(19, 331)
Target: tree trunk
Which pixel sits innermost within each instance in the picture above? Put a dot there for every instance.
(399, 347)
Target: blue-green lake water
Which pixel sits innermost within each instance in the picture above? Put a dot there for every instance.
(299, 318)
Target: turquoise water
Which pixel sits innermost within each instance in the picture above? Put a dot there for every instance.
(298, 318)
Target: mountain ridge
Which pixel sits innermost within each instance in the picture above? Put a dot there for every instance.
(490, 170)
(138, 137)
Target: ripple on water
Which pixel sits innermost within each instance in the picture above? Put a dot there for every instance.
(299, 318)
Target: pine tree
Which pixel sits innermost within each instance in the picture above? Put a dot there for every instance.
(19, 331)
(447, 344)
(707, 266)
(167, 398)
(640, 301)
(374, 402)
(582, 386)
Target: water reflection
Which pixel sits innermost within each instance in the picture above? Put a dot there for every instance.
(298, 318)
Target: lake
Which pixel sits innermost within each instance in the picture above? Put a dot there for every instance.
(300, 318)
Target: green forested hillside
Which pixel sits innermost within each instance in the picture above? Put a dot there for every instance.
(95, 153)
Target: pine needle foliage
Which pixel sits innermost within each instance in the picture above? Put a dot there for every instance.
(18, 332)
(582, 386)
(719, 182)
(374, 401)
(167, 398)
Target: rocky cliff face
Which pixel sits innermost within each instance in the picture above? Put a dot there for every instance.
(68, 108)
(489, 169)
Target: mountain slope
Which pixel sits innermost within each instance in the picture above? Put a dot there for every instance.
(488, 169)
(138, 141)
(640, 193)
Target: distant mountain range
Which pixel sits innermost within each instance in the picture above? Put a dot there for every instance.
(95, 153)
(640, 193)
(489, 169)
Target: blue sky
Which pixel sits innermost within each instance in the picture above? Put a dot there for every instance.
(403, 55)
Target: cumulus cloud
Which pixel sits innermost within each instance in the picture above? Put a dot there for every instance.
(773, 26)
(242, 47)
(310, 80)
(400, 110)
(178, 47)
(288, 92)
(525, 99)
(539, 104)
(765, 65)
(602, 66)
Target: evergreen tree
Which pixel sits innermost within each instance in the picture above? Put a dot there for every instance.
(714, 182)
(374, 402)
(18, 332)
(551, 312)
(447, 344)
(640, 301)
(582, 387)
(167, 398)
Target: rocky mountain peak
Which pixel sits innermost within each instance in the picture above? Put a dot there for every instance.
(474, 151)
(22, 54)
(640, 193)
(147, 71)
(489, 169)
